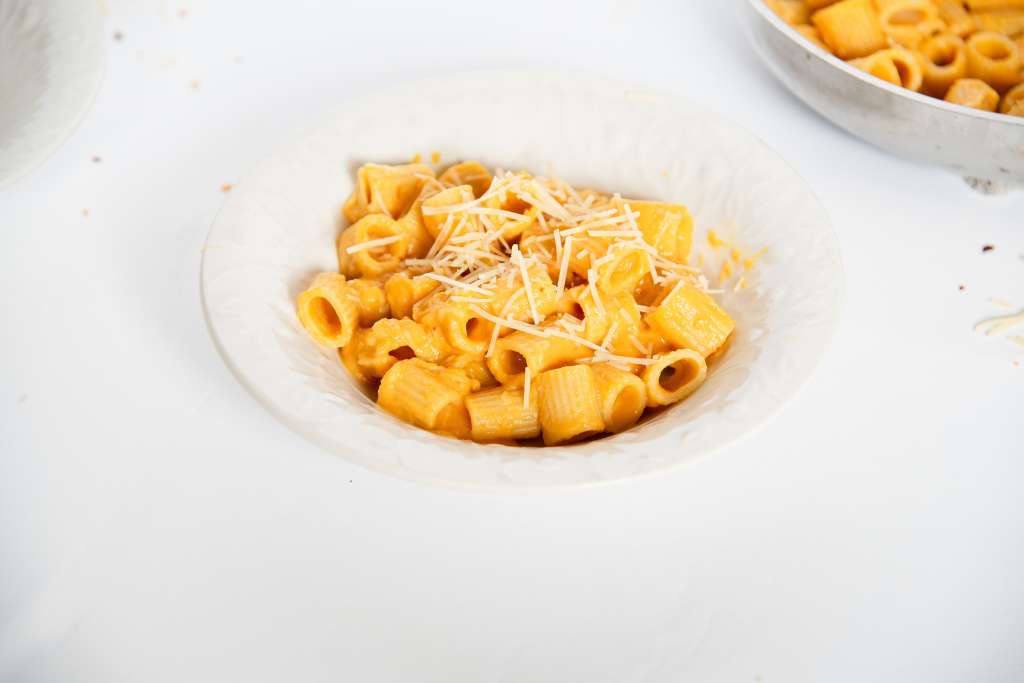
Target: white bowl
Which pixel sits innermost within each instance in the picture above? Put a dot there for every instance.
(985, 148)
(279, 225)
(52, 55)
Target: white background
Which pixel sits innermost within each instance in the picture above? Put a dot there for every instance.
(156, 524)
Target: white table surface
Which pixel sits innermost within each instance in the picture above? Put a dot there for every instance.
(156, 524)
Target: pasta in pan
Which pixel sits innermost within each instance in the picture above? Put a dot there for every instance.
(968, 52)
(511, 308)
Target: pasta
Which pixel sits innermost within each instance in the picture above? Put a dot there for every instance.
(971, 92)
(968, 52)
(514, 309)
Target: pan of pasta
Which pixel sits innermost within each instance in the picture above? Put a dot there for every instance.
(607, 284)
(940, 81)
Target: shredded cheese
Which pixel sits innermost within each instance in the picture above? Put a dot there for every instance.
(997, 326)
(563, 268)
(497, 326)
(517, 257)
(455, 283)
(609, 337)
(370, 244)
(592, 285)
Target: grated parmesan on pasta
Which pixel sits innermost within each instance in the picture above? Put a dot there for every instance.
(511, 260)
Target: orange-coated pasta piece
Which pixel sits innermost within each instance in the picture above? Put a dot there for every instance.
(1013, 102)
(851, 28)
(995, 59)
(970, 92)
(943, 61)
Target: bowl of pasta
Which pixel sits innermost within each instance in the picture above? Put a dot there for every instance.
(937, 81)
(442, 285)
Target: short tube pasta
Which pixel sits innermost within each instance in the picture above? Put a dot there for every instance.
(691, 319)
(851, 28)
(371, 300)
(1013, 102)
(402, 292)
(514, 309)
(909, 22)
(502, 414)
(427, 395)
(897, 65)
(390, 341)
(994, 59)
(623, 397)
(519, 351)
(568, 407)
(327, 311)
(375, 245)
(623, 271)
(389, 190)
(943, 61)
(970, 92)
(962, 51)
(675, 376)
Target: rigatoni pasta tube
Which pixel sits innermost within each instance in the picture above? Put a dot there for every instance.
(623, 272)
(428, 396)
(471, 173)
(518, 351)
(370, 299)
(623, 397)
(943, 61)
(585, 308)
(385, 189)
(433, 209)
(850, 28)
(958, 20)
(567, 404)
(897, 65)
(390, 341)
(375, 245)
(675, 376)
(995, 59)
(691, 319)
(1013, 102)
(1006, 21)
(666, 227)
(327, 310)
(402, 291)
(420, 239)
(474, 366)
(349, 355)
(908, 22)
(463, 328)
(501, 413)
(971, 92)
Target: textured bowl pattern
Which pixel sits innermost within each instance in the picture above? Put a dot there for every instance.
(278, 229)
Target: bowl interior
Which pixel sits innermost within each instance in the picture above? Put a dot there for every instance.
(278, 228)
